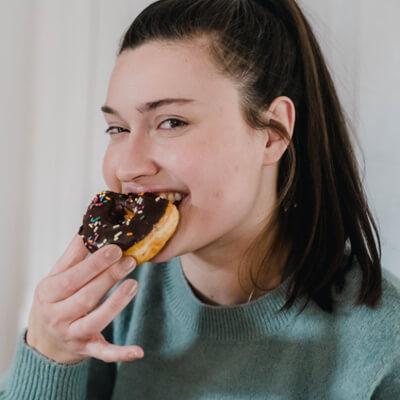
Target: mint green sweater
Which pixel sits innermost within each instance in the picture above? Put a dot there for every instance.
(198, 351)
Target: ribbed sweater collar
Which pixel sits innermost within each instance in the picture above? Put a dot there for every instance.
(240, 322)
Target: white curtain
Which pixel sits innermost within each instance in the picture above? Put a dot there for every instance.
(56, 58)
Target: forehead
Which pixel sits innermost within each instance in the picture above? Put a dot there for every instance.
(157, 70)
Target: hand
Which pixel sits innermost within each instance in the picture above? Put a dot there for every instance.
(65, 319)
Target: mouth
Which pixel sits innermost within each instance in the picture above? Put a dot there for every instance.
(176, 198)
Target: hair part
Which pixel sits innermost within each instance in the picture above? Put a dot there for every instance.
(268, 49)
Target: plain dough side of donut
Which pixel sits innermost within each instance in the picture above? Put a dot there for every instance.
(148, 247)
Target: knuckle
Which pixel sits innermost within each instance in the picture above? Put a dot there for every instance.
(66, 283)
(115, 273)
(105, 358)
(99, 262)
(41, 292)
(114, 304)
(85, 302)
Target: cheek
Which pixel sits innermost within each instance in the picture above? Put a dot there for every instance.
(229, 179)
(218, 182)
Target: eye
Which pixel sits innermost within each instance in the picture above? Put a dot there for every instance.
(115, 130)
(180, 123)
(110, 130)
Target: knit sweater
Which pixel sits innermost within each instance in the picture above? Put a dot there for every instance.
(195, 350)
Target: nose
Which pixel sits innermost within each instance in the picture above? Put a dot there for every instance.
(135, 158)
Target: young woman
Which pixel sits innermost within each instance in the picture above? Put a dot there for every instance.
(272, 286)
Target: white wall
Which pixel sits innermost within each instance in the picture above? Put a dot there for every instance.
(56, 60)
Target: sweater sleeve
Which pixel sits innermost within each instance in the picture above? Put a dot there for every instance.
(32, 376)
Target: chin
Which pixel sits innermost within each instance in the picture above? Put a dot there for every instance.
(159, 258)
(169, 251)
(164, 256)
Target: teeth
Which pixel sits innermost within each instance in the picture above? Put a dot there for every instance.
(170, 196)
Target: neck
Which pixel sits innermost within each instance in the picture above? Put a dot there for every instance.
(214, 275)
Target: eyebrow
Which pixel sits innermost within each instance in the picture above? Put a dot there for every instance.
(149, 106)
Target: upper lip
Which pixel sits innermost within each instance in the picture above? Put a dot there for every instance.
(153, 189)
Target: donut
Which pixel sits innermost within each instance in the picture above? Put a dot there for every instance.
(139, 223)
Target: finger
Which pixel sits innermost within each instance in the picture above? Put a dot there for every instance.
(99, 318)
(75, 252)
(109, 352)
(65, 284)
(89, 296)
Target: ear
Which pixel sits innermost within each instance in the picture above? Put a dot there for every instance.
(283, 111)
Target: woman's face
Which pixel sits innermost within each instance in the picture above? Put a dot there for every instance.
(201, 147)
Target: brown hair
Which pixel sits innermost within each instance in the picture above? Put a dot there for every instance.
(268, 49)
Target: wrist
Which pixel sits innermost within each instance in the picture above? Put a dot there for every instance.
(50, 352)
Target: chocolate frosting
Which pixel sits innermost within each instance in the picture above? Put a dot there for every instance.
(122, 219)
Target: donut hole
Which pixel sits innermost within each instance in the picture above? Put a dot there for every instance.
(120, 214)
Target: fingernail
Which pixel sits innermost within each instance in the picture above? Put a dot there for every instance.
(136, 353)
(128, 264)
(113, 252)
(131, 288)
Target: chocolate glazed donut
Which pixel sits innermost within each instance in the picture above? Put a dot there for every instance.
(140, 224)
